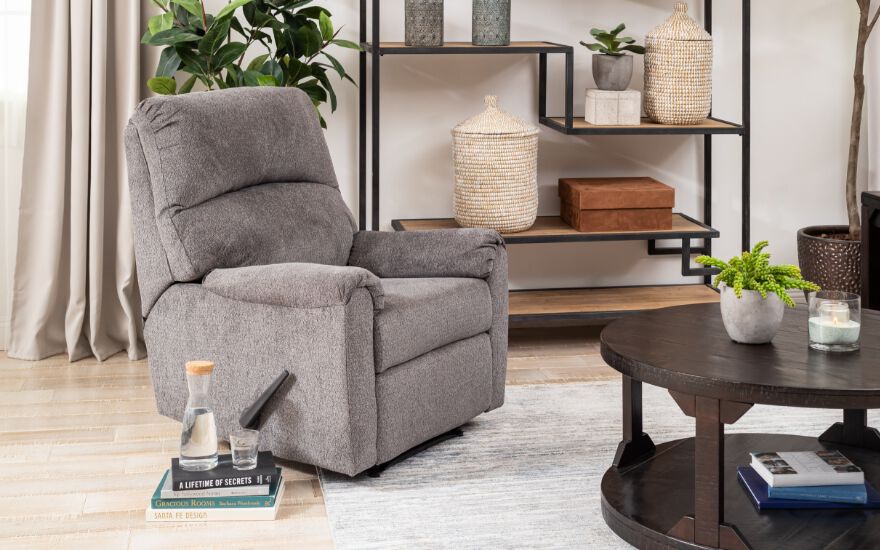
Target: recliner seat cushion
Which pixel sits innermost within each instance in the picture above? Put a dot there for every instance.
(421, 315)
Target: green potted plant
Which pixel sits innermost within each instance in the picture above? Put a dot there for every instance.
(831, 254)
(754, 293)
(211, 48)
(612, 67)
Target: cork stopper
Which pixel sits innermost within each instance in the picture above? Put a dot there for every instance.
(199, 367)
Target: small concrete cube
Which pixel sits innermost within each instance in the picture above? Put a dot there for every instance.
(609, 108)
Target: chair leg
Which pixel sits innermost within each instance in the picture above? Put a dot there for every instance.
(376, 471)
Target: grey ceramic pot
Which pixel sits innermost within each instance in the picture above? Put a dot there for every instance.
(491, 22)
(612, 72)
(424, 22)
(751, 319)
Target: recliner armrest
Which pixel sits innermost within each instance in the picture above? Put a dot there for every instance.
(437, 253)
(296, 285)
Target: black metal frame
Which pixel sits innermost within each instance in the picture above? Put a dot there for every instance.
(374, 53)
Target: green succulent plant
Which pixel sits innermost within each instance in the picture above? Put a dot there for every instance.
(610, 43)
(752, 271)
(211, 48)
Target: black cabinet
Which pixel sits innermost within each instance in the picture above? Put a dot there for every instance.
(871, 250)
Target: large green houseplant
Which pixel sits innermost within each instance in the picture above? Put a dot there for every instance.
(831, 254)
(211, 48)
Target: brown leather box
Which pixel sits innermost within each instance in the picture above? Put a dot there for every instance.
(616, 204)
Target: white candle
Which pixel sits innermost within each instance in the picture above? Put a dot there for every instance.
(830, 331)
(834, 312)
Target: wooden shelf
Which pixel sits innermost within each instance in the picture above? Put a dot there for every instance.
(582, 127)
(551, 229)
(603, 303)
(400, 48)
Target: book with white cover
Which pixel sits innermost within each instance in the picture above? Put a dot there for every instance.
(806, 469)
(217, 514)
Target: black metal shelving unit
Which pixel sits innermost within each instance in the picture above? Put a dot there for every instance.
(550, 229)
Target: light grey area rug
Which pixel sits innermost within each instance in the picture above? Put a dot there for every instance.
(524, 476)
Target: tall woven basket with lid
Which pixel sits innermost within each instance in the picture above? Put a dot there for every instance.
(496, 171)
(678, 70)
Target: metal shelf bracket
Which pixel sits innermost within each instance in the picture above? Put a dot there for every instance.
(686, 252)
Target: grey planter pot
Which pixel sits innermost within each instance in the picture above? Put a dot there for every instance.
(751, 319)
(491, 22)
(424, 22)
(612, 72)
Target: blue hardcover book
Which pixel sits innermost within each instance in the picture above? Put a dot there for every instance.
(850, 494)
(238, 501)
(756, 488)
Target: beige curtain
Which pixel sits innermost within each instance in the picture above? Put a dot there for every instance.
(74, 288)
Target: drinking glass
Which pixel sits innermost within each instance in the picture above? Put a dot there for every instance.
(245, 445)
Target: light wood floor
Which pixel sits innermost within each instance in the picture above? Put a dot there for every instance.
(82, 449)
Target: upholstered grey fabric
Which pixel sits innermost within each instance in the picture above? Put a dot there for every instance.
(275, 223)
(497, 281)
(421, 315)
(432, 394)
(295, 285)
(247, 256)
(154, 274)
(211, 156)
(440, 253)
(325, 415)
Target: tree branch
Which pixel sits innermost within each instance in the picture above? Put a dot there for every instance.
(874, 19)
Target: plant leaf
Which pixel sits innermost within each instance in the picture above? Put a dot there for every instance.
(172, 36)
(162, 85)
(192, 6)
(308, 41)
(326, 26)
(193, 63)
(229, 8)
(257, 62)
(345, 44)
(169, 62)
(215, 36)
(188, 85)
(159, 23)
(340, 70)
(635, 49)
(618, 29)
(251, 78)
(227, 54)
(266, 80)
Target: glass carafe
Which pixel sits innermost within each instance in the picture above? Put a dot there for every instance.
(198, 441)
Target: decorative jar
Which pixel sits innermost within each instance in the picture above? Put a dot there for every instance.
(491, 23)
(496, 171)
(678, 70)
(424, 22)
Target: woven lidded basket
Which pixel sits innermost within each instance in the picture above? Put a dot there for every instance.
(496, 171)
(678, 70)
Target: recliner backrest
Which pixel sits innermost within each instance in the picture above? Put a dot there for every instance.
(228, 179)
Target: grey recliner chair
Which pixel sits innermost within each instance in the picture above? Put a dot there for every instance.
(248, 256)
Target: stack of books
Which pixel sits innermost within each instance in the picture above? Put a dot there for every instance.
(806, 480)
(221, 494)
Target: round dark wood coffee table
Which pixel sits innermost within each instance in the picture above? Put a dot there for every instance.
(673, 495)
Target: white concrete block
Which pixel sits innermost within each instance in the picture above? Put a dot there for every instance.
(608, 108)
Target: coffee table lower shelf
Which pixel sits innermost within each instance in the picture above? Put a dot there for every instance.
(641, 503)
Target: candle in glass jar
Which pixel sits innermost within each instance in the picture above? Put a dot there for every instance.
(833, 326)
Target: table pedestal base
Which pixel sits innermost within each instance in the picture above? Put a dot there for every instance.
(853, 431)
